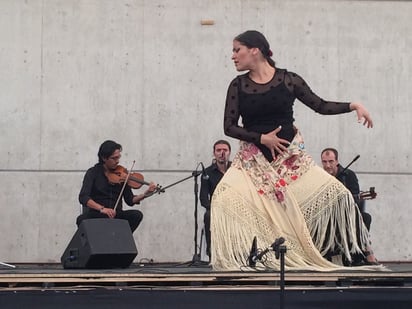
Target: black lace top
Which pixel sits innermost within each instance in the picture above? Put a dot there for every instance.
(263, 107)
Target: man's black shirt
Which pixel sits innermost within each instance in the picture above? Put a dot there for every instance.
(208, 186)
(350, 181)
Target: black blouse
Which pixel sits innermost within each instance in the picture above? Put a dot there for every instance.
(264, 107)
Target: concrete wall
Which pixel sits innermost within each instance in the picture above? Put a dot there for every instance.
(148, 75)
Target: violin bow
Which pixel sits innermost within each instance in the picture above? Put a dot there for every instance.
(124, 186)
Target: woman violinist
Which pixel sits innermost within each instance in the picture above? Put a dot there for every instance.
(104, 188)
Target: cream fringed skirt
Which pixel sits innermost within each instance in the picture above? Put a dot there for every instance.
(289, 197)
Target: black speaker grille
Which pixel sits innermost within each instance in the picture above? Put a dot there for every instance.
(100, 243)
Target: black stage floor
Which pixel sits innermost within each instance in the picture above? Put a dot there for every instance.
(198, 286)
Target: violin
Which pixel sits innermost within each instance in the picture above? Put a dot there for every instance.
(134, 180)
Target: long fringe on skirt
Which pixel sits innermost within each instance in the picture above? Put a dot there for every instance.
(290, 197)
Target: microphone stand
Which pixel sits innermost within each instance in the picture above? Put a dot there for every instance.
(281, 250)
(196, 256)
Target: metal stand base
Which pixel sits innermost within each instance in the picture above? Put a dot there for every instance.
(282, 251)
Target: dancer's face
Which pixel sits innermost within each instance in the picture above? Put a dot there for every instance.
(243, 56)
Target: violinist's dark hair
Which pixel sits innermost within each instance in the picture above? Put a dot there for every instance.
(107, 148)
(219, 142)
(253, 38)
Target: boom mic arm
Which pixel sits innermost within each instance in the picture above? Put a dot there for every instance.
(347, 166)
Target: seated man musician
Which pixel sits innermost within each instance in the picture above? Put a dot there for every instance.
(100, 191)
(347, 177)
(330, 163)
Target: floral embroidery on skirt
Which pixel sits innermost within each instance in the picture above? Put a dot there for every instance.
(272, 178)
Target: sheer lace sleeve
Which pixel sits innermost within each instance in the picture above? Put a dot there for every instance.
(303, 92)
(232, 115)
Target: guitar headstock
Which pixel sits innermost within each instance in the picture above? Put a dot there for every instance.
(368, 195)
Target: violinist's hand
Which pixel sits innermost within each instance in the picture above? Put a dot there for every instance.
(362, 113)
(273, 142)
(151, 189)
(111, 213)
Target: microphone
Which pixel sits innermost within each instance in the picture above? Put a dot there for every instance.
(347, 166)
(204, 175)
(356, 158)
(276, 246)
(253, 253)
(254, 256)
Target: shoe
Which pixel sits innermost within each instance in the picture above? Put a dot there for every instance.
(370, 258)
(358, 260)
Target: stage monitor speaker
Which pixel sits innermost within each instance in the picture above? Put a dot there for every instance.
(101, 243)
